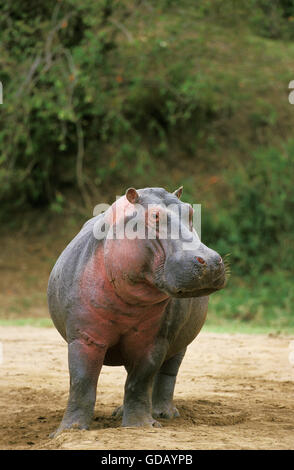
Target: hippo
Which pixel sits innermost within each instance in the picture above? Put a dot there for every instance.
(136, 302)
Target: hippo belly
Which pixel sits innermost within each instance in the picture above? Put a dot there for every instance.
(181, 323)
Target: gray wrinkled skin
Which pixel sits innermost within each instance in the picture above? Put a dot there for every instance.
(100, 323)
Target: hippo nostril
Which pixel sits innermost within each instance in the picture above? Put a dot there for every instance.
(200, 260)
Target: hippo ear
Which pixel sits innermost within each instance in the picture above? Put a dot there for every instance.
(178, 192)
(132, 195)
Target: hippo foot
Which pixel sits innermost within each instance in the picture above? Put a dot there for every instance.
(65, 426)
(134, 422)
(165, 411)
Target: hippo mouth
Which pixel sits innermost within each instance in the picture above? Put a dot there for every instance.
(182, 294)
(199, 292)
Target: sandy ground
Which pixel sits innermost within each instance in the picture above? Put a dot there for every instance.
(233, 392)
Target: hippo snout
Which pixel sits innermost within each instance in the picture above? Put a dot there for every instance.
(188, 274)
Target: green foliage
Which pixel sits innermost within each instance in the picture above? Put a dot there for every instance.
(264, 301)
(89, 99)
(69, 104)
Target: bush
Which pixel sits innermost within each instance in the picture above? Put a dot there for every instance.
(256, 224)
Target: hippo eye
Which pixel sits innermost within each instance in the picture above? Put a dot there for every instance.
(155, 216)
(200, 260)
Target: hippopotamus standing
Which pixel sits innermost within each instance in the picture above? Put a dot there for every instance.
(136, 302)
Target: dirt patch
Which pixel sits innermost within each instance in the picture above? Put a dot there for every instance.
(233, 392)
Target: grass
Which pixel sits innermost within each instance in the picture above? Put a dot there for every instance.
(37, 322)
(234, 326)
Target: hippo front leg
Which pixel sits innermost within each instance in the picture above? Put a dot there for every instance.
(163, 388)
(85, 362)
(137, 407)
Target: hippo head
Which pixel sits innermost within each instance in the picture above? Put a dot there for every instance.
(154, 251)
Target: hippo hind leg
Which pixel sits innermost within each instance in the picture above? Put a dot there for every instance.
(163, 388)
(137, 407)
(85, 362)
